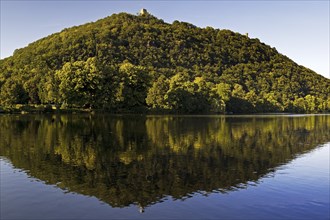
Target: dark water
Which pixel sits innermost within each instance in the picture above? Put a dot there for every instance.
(160, 167)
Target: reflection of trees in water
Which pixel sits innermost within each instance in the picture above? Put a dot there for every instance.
(125, 160)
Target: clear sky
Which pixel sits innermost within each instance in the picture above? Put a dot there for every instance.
(297, 29)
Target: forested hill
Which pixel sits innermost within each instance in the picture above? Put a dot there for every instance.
(128, 63)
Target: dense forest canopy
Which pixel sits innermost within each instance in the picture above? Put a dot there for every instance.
(128, 63)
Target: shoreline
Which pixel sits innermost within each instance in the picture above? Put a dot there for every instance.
(55, 109)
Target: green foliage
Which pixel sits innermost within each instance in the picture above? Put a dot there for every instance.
(79, 82)
(133, 86)
(126, 62)
(157, 92)
(12, 92)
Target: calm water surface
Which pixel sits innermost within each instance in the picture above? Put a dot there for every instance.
(164, 167)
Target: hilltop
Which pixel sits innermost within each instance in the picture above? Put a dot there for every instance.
(129, 63)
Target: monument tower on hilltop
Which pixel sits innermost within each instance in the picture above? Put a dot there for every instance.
(143, 11)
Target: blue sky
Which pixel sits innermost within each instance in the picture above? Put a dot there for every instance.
(298, 29)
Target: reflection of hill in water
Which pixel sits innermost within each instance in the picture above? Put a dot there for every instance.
(125, 160)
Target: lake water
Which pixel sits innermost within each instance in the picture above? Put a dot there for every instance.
(164, 167)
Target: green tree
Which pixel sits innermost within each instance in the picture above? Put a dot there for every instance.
(79, 82)
(186, 96)
(133, 86)
(12, 92)
(156, 94)
(311, 104)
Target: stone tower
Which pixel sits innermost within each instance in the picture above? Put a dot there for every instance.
(143, 11)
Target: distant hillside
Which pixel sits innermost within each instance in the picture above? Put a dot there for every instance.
(127, 63)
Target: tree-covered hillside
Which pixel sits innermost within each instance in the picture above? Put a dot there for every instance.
(127, 63)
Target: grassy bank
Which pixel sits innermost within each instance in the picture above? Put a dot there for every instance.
(24, 109)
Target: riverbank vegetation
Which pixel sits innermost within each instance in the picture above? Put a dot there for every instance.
(128, 63)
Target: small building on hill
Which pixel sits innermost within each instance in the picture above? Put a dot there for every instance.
(143, 11)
